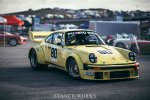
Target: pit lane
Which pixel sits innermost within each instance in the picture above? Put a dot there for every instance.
(19, 82)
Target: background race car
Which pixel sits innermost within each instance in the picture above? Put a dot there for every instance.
(130, 42)
(11, 39)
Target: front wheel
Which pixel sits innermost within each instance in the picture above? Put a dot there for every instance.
(12, 42)
(134, 49)
(34, 62)
(73, 69)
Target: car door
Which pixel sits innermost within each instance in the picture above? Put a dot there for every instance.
(54, 49)
(47, 47)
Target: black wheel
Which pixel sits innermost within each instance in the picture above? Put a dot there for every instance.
(120, 45)
(73, 69)
(12, 42)
(134, 49)
(34, 62)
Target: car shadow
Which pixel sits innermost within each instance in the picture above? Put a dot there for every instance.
(5, 46)
(53, 77)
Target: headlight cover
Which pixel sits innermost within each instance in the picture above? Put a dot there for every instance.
(92, 58)
(132, 56)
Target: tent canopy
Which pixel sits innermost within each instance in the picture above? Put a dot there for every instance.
(3, 20)
(12, 20)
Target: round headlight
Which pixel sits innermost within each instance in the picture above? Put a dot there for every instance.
(132, 56)
(92, 58)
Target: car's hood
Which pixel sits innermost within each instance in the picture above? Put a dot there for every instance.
(105, 54)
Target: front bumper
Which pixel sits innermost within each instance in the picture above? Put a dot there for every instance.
(110, 72)
(22, 41)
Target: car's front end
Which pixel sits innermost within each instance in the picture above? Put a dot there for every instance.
(99, 61)
(22, 40)
(109, 72)
(106, 63)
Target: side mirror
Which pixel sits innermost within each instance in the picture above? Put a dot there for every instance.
(61, 44)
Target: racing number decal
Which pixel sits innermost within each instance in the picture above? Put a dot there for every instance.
(54, 53)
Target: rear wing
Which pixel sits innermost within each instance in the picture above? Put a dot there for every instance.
(38, 36)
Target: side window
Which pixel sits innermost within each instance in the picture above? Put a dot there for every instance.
(70, 39)
(49, 39)
(57, 38)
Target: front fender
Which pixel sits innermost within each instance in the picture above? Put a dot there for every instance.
(125, 53)
(77, 58)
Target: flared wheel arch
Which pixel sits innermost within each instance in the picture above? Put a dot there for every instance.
(39, 65)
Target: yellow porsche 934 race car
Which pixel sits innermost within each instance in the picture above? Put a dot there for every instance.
(83, 54)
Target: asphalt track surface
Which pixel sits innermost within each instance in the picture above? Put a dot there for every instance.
(19, 82)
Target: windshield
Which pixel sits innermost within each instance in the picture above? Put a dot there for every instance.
(83, 38)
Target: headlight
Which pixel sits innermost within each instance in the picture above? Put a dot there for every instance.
(132, 56)
(92, 58)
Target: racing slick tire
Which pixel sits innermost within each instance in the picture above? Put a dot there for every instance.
(120, 45)
(73, 69)
(34, 62)
(13, 42)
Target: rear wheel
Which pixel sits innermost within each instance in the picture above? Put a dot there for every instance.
(73, 69)
(120, 45)
(34, 62)
(13, 42)
(134, 49)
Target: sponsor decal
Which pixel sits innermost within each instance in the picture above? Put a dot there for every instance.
(105, 52)
(54, 54)
(82, 32)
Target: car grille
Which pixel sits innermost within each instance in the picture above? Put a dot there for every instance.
(119, 74)
(98, 75)
(114, 74)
